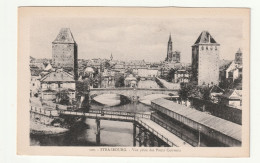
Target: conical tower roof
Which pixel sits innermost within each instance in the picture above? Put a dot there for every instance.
(205, 38)
(64, 36)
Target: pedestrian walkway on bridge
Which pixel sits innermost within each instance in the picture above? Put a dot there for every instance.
(162, 133)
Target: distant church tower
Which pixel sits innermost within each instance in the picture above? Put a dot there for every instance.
(111, 57)
(205, 58)
(65, 51)
(238, 57)
(172, 56)
(169, 49)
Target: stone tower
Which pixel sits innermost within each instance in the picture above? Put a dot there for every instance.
(65, 52)
(205, 58)
(238, 57)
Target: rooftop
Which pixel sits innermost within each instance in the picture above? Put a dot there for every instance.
(58, 76)
(226, 127)
(64, 36)
(205, 38)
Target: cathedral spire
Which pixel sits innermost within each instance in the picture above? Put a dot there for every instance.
(169, 49)
(170, 38)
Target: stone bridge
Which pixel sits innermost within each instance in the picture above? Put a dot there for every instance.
(132, 93)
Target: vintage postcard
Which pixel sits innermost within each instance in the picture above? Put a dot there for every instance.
(126, 81)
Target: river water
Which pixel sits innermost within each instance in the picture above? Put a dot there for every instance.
(113, 133)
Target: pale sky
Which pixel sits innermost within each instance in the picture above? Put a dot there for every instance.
(135, 38)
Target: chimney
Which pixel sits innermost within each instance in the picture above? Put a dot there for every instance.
(209, 38)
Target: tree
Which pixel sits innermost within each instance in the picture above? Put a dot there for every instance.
(187, 90)
(226, 84)
(119, 81)
(107, 65)
(63, 97)
(170, 75)
(205, 93)
(83, 86)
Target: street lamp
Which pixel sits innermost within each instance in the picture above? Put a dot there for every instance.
(199, 136)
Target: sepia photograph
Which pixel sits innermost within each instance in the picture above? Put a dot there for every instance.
(135, 81)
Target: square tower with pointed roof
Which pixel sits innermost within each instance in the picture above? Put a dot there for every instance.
(205, 58)
(65, 51)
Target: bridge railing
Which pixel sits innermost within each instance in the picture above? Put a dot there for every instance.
(112, 112)
(127, 88)
(98, 115)
(166, 140)
(128, 114)
(175, 132)
(108, 114)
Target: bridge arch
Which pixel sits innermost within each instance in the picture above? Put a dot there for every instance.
(131, 93)
(92, 96)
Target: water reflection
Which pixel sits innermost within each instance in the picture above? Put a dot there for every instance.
(108, 99)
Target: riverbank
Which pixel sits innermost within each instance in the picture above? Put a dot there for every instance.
(37, 128)
(147, 99)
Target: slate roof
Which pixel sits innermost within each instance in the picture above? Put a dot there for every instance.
(216, 89)
(224, 64)
(64, 36)
(35, 72)
(58, 76)
(205, 38)
(232, 94)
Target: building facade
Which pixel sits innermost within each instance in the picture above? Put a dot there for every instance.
(65, 51)
(181, 76)
(57, 81)
(172, 56)
(232, 98)
(205, 58)
(147, 72)
(35, 84)
(233, 70)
